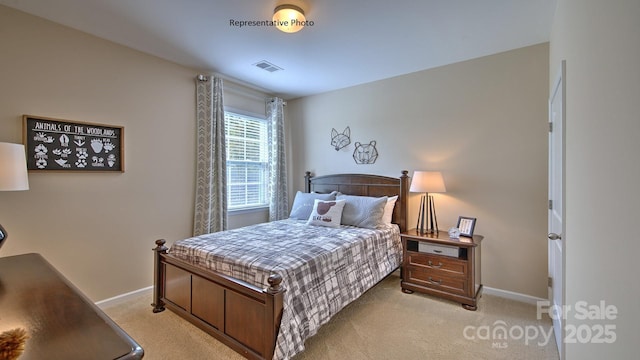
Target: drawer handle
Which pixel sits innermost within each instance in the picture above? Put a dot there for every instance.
(437, 251)
(435, 266)
(439, 282)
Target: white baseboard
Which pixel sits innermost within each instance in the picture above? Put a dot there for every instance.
(512, 295)
(117, 300)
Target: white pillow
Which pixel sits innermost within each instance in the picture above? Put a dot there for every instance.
(388, 210)
(326, 213)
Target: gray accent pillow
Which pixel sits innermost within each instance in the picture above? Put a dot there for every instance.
(303, 204)
(362, 211)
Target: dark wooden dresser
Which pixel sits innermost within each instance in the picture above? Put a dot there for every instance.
(61, 322)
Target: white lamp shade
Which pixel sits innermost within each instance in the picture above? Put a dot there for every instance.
(289, 18)
(427, 182)
(13, 167)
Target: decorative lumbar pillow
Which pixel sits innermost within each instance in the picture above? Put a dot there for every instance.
(388, 210)
(303, 204)
(326, 213)
(363, 211)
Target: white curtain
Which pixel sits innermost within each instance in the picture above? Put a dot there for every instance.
(211, 163)
(278, 190)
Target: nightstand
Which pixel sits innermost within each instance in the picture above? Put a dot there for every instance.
(437, 265)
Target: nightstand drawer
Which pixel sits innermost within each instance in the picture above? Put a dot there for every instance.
(436, 280)
(437, 249)
(450, 266)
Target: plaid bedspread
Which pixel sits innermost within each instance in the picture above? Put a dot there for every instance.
(323, 269)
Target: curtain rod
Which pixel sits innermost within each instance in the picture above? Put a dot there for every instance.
(273, 99)
(268, 97)
(236, 86)
(203, 77)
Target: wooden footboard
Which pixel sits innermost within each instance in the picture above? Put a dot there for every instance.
(240, 315)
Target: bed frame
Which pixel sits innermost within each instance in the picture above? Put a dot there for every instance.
(242, 316)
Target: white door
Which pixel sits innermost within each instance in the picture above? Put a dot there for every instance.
(556, 240)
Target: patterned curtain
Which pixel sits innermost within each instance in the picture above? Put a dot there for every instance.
(211, 166)
(279, 204)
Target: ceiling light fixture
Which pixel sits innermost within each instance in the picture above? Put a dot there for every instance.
(289, 18)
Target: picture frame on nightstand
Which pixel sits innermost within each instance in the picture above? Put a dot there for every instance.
(466, 225)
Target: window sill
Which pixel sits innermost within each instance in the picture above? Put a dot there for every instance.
(248, 210)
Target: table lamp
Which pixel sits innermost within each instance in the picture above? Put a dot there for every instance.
(427, 182)
(13, 173)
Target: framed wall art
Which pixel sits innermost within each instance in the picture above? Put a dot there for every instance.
(466, 225)
(65, 145)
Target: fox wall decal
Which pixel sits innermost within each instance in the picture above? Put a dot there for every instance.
(340, 140)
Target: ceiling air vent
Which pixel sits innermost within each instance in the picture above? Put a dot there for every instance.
(267, 66)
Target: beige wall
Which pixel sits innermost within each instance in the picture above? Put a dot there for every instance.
(600, 42)
(97, 228)
(477, 121)
(482, 122)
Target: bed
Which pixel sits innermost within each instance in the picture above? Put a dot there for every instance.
(264, 303)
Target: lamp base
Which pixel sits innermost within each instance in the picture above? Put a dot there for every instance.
(428, 231)
(427, 220)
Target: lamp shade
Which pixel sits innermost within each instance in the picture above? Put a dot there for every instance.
(13, 167)
(427, 182)
(289, 18)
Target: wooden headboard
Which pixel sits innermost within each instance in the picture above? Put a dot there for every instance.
(366, 185)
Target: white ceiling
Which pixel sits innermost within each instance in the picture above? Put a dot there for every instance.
(351, 41)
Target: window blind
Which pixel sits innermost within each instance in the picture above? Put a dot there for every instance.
(247, 161)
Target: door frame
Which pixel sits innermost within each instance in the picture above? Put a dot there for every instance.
(559, 87)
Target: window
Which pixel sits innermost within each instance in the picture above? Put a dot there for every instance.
(247, 161)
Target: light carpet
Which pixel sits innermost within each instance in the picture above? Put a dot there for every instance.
(384, 323)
